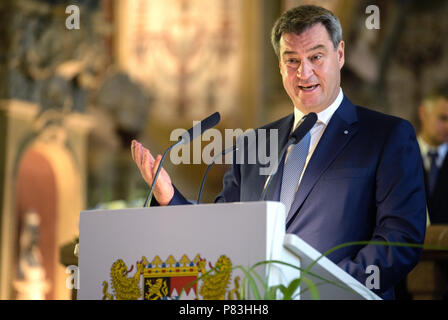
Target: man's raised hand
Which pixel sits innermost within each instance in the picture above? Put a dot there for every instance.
(163, 189)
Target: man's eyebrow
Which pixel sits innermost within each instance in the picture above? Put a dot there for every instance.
(319, 46)
(288, 52)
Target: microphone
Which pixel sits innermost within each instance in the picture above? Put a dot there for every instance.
(194, 132)
(307, 123)
(200, 128)
(233, 148)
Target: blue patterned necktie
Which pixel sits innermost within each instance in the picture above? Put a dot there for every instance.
(292, 170)
(433, 170)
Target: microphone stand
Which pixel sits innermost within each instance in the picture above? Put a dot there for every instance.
(234, 148)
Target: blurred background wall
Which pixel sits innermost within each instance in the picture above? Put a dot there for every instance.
(71, 100)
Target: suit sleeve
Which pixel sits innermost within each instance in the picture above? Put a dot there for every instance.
(400, 212)
(178, 199)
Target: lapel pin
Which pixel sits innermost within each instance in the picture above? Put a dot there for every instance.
(345, 132)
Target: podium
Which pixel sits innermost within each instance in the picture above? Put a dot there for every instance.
(199, 252)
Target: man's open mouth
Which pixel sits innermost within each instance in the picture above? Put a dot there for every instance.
(308, 88)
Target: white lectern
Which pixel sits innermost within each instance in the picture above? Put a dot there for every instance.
(194, 251)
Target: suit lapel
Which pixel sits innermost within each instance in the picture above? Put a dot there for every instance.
(341, 128)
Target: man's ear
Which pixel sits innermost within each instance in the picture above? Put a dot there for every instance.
(421, 113)
(341, 54)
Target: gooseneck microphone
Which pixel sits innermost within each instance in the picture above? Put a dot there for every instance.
(194, 132)
(307, 123)
(233, 148)
(198, 129)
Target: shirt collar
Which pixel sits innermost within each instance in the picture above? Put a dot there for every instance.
(425, 147)
(325, 115)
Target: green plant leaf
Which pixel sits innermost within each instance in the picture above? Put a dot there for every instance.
(340, 285)
(271, 293)
(251, 282)
(293, 285)
(312, 287)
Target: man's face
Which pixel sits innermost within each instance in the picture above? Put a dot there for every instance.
(435, 122)
(310, 68)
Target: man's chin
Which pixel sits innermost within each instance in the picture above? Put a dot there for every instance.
(309, 107)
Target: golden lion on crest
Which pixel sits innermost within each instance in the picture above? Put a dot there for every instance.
(125, 288)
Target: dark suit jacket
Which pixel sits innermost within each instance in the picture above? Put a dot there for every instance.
(363, 182)
(438, 200)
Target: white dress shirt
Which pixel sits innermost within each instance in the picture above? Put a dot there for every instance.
(323, 118)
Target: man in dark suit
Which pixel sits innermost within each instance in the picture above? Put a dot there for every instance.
(433, 141)
(357, 175)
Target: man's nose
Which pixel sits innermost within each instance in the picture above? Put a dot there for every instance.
(304, 71)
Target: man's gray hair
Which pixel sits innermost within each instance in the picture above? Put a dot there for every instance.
(302, 18)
